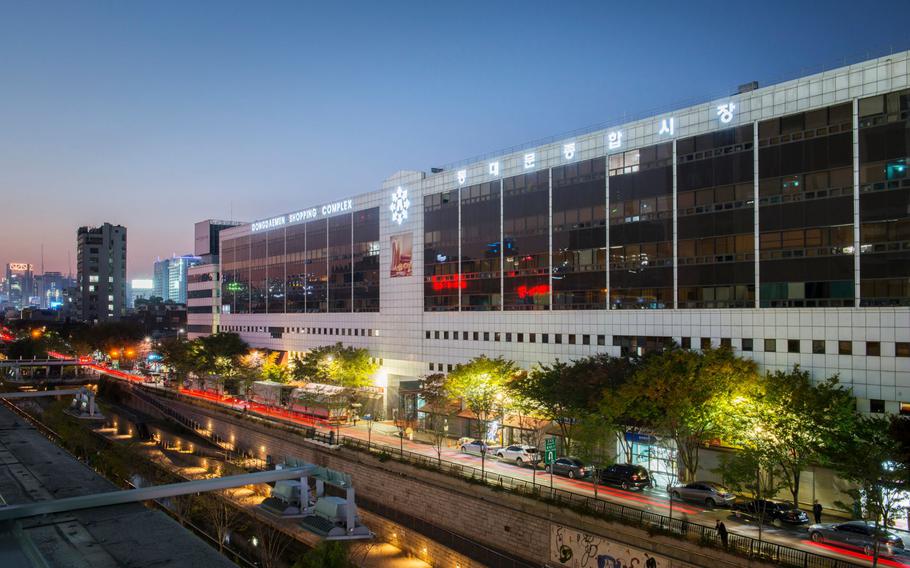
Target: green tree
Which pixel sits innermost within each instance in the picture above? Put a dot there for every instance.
(336, 365)
(220, 353)
(871, 457)
(689, 397)
(480, 384)
(800, 421)
(274, 371)
(754, 470)
(433, 392)
(179, 355)
(327, 554)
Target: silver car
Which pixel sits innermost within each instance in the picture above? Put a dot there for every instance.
(521, 455)
(707, 492)
(858, 535)
(477, 448)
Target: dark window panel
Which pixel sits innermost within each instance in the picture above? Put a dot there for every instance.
(442, 279)
(526, 236)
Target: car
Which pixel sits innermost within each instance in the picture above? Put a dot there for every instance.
(771, 511)
(707, 492)
(859, 535)
(627, 476)
(569, 466)
(476, 447)
(519, 454)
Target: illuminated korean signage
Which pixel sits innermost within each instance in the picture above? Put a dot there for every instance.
(20, 266)
(614, 140)
(725, 112)
(667, 127)
(303, 215)
(568, 150)
(530, 159)
(462, 176)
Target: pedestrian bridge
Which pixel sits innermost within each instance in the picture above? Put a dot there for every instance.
(19, 363)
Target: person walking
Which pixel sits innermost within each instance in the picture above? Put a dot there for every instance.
(722, 532)
(817, 511)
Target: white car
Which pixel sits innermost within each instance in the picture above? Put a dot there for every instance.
(521, 455)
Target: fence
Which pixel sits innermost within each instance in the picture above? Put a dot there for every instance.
(653, 522)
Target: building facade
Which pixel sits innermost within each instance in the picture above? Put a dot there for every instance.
(140, 288)
(203, 290)
(101, 273)
(775, 221)
(170, 275)
(19, 285)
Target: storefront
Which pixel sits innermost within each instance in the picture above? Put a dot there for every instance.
(657, 455)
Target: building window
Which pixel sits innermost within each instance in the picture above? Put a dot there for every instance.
(497, 336)
(747, 344)
(557, 338)
(445, 334)
(770, 346)
(532, 337)
(449, 367)
(902, 349)
(486, 336)
(428, 334)
(464, 336)
(431, 366)
(793, 346)
(544, 337)
(905, 409)
(877, 406)
(601, 339)
(476, 335)
(705, 343)
(845, 348)
(571, 339)
(521, 338)
(435, 335)
(508, 337)
(685, 342)
(873, 348)
(586, 339)
(818, 346)
(726, 342)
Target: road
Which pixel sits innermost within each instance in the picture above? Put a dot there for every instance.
(653, 500)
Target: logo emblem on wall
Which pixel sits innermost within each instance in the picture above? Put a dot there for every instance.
(400, 205)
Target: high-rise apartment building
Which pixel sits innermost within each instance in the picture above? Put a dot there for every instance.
(169, 281)
(101, 273)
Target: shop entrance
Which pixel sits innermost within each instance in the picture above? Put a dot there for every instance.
(655, 454)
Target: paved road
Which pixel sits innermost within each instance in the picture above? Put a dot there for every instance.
(653, 500)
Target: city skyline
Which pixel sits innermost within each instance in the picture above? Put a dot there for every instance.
(267, 124)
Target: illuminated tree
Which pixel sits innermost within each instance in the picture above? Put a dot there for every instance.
(481, 386)
(688, 396)
(433, 392)
(336, 365)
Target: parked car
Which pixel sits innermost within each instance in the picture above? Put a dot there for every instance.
(859, 535)
(477, 447)
(771, 511)
(569, 466)
(707, 492)
(521, 455)
(626, 476)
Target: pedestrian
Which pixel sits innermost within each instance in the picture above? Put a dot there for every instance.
(817, 511)
(722, 532)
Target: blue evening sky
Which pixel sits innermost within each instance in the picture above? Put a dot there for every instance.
(158, 114)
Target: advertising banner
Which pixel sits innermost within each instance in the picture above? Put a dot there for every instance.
(402, 251)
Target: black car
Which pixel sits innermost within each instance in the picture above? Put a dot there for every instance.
(626, 476)
(771, 511)
(569, 466)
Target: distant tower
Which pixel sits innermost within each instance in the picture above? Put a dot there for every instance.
(101, 273)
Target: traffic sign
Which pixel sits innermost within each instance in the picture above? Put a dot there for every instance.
(549, 447)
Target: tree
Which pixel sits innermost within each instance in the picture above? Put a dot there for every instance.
(688, 396)
(433, 392)
(220, 353)
(222, 515)
(870, 455)
(800, 421)
(336, 365)
(327, 554)
(272, 544)
(179, 355)
(274, 371)
(755, 470)
(480, 384)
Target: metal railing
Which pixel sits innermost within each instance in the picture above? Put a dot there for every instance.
(653, 522)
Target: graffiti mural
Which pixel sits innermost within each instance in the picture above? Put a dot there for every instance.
(576, 549)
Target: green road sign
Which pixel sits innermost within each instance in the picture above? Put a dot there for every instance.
(549, 447)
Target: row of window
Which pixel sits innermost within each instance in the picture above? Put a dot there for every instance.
(337, 331)
(816, 346)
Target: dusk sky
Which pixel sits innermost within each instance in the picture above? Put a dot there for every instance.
(155, 115)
